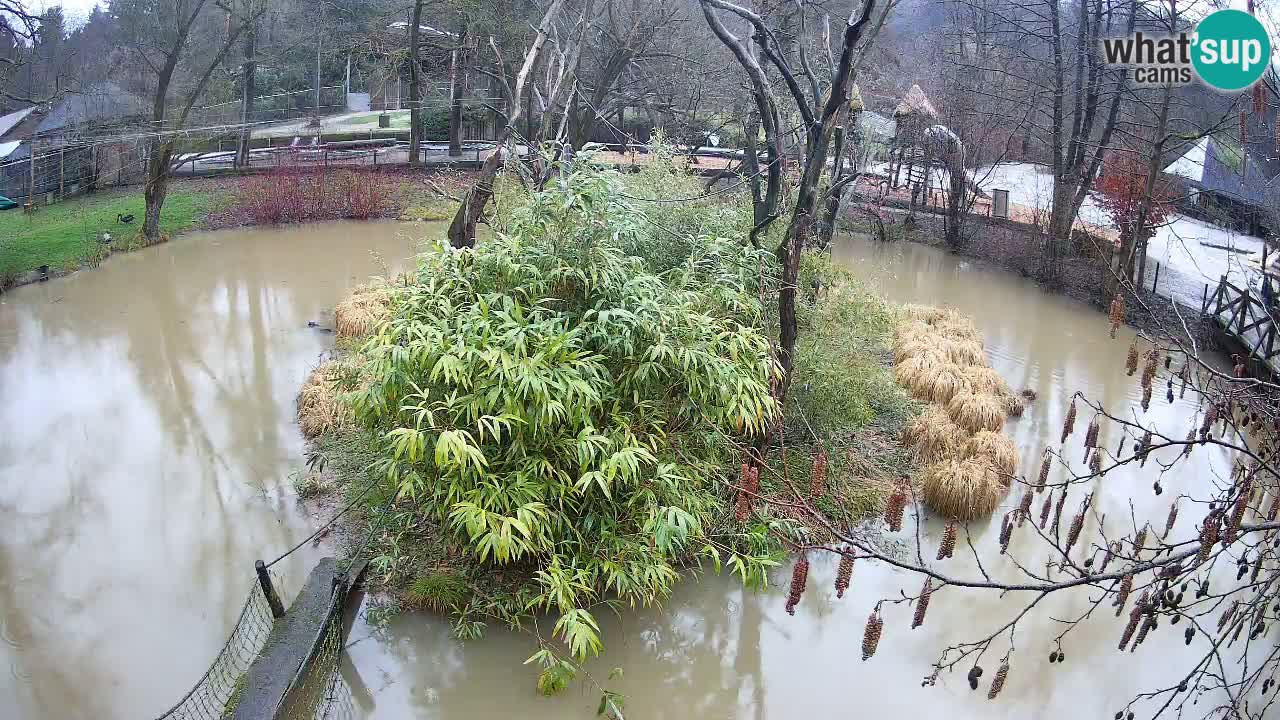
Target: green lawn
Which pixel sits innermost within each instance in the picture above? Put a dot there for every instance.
(65, 235)
(399, 119)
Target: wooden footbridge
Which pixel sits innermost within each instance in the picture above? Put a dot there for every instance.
(1247, 323)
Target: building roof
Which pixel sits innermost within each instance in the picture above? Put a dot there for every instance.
(915, 102)
(1215, 166)
(105, 103)
(10, 121)
(875, 125)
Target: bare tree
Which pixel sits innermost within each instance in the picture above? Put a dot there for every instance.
(251, 11)
(462, 230)
(18, 31)
(415, 83)
(160, 35)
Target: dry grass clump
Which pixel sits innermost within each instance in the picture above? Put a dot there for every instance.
(939, 385)
(933, 435)
(985, 380)
(995, 448)
(977, 411)
(924, 313)
(958, 328)
(360, 314)
(963, 352)
(962, 489)
(939, 357)
(319, 408)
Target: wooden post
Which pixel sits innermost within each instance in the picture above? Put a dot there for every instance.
(269, 590)
(62, 172)
(1204, 300)
(31, 187)
(1244, 311)
(1156, 282)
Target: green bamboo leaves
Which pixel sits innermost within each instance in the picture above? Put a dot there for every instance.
(563, 406)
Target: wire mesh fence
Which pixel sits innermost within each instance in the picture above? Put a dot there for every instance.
(320, 692)
(215, 694)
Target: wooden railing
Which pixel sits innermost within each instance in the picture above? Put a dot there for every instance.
(1243, 314)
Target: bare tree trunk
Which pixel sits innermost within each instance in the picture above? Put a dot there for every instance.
(957, 189)
(462, 231)
(157, 188)
(249, 93)
(415, 84)
(160, 147)
(457, 59)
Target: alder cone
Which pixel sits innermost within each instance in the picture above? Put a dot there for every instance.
(1142, 633)
(1149, 370)
(1117, 314)
(799, 576)
(1024, 506)
(1112, 550)
(818, 475)
(844, 573)
(1091, 435)
(1044, 510)
(922, 603)
(1057, 512)
(1146, 448)
(1129, 627)
(1237, 514)
(871, 635)
(894, 508)
(1006, 533)
(948, 546)
(1122, 594)
(1073, 534)
(1069, 423)
(1140, 540)
(1173, 517)
(1095, 462)
(1131, 363)
(997, 682)
(1208, 536)
(1044, 475)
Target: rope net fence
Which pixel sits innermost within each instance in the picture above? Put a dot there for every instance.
(214, 695)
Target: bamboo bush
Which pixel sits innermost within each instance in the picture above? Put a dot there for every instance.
(563, 412)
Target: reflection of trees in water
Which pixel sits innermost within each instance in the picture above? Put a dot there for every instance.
(34, 609)
(178, 346)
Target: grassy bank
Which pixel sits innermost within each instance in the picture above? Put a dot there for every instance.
(68, 234)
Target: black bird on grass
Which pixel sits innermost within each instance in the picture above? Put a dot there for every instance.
(124, 219)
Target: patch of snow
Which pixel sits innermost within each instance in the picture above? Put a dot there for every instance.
(1031, 185)
(7, 122)
(1191, 164)
(6, 149)
(1179, 245)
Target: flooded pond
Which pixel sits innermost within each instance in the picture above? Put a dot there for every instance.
(146, 442)
(147, 436)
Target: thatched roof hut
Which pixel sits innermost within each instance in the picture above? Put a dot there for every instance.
(915, 104)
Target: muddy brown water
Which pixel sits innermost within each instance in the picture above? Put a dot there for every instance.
(147, 439)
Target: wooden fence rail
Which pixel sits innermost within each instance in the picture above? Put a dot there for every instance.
(1245, 316)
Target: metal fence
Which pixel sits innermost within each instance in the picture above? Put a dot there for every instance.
(273, 108)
